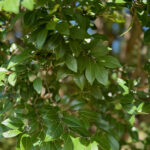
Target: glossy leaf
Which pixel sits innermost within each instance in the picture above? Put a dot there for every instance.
(11, 133)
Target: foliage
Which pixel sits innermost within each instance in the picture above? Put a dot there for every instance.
(60, 87)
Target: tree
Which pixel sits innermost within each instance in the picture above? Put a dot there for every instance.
(61, 87)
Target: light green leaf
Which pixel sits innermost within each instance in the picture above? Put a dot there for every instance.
(119, 1)
(12, 79)
(71, 63)
(101, 74)
(25, 142)
(29, 4)
(90, 72)
(93, 146)
(37, 84)
(63, 28)
(77, 144)
(11, 6)
(122, 83)
(132, 120)
(41, 37)
(3, 72)
(1, 5)
(11, 133)
(12, 123)
(80, 81)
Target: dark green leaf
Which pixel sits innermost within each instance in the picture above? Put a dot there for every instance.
(37, 84)
(51, 25)
(75, 47)
(63, 28)
(41, 37)
(90, 72)
(101, 74)
(18, 59)
(80, 81)
(71, 63)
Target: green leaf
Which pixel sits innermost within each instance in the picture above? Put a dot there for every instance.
(80, 81)
(113, 143)
(103, 141)
(99, 50)
(101, 74)
(18, 59)
(29, 4)
(68, 144)
(77, 33)
(110, 62)
(93, 146)
(12, 123)
(71, 121)
(11, 133)
(90, 72)
(3, 72)
(119, 1)
(48, 146)
(12, 79)
(60, 51)
(51, 25)
(77, 144)
(83, 62)
(11, 6)
(71, 63)
(41, 37)
(37, 84)
(25, 142)
(147, 36)
(76, 104)
(122, 83)
(62, 74)
(56, 129)
(132, 120)
(75, 47)
(1, 5)
(63, 28)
